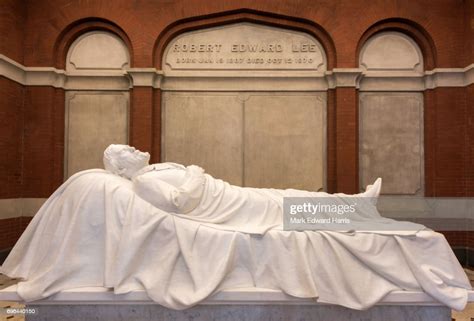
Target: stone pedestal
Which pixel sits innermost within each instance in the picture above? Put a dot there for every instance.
(117, 312)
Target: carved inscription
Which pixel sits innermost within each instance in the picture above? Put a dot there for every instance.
(244, 46)
(201, 47)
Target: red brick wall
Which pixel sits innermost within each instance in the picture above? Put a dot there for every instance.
(344, 20)
(12, 24)
(141, 113)
(11, 138)
(447, 142)
(16, 143)
(347, 142)
(156, 118)
(460, 238)
(12, 20)
(11, 230)
(470, 140)
(43, 141)
(331, 142)
(469, 31)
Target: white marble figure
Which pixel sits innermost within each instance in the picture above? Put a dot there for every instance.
(188, 190)
(176, 188)
(105, 230)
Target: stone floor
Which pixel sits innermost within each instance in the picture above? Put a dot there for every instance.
(466, 315)
(4, 306)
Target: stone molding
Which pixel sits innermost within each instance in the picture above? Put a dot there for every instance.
(237, 80)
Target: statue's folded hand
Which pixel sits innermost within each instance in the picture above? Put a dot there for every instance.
(194, 170)
(170, 198)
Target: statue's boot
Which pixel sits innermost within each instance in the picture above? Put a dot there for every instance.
(373, 191)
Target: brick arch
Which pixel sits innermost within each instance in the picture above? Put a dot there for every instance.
(409, 28)
(244, 15)
(80, 27)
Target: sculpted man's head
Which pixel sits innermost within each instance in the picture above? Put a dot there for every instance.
(124, 160)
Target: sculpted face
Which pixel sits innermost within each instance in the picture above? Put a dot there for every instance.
(124, 160)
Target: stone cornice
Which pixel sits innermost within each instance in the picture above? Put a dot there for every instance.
(145, 77)
(343, 77)
(237, 80)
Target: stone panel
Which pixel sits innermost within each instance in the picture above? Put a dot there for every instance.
(285, 137)
(244, 46)
(391, 51)
(204, 129)
(93, 121)
(98, 50)
(391, 141)
(241, 123)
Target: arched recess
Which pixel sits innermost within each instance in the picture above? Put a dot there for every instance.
(391, 117)
(96, 107)
(80, 27)
(411, 29)
(244, 96)
(406, 82)
(245, 15)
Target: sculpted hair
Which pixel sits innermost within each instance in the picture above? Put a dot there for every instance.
(110, 160)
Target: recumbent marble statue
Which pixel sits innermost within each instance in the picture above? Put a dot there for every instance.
(181, 235)
(188, 190)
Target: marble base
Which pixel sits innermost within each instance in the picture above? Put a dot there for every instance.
(237, 312)
(97, 303)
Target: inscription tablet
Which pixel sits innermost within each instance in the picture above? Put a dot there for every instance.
(244, 46)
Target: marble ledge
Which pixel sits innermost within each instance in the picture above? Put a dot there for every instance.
(241, 296)
(124, 79)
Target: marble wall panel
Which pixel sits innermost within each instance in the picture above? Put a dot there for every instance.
(249, 139)
(285, 140)
(391, 141)
(93, 121)
(204, 129)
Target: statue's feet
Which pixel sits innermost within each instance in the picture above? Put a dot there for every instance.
(373, 191)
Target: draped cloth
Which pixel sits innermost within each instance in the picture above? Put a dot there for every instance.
(95, 231)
